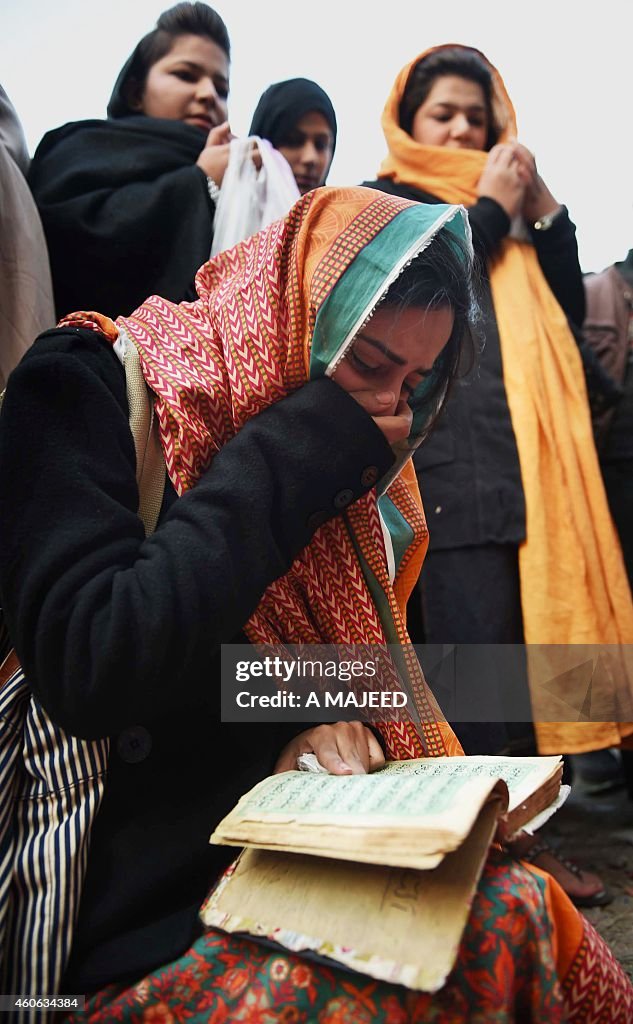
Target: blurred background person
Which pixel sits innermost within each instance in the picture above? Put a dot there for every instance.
(26, 296)
(298, 119)
(608, 328)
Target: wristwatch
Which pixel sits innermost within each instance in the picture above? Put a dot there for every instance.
(545, 222)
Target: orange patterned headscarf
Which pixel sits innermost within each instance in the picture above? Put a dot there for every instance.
(245, 343)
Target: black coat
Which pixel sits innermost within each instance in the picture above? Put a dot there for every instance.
(119, 635)
(468, 470)
(125, 209)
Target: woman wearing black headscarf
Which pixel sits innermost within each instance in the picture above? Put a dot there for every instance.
(298, 119)
(127, 203)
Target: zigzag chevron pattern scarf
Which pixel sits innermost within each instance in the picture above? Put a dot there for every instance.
(244, 344)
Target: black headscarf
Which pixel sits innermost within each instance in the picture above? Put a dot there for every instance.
(118, 104)
(285, 103)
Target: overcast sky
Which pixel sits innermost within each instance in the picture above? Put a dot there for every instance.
(566, 66)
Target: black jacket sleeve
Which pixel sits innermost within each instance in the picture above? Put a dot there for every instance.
(108, 624)
(557, 251)
(490, 225)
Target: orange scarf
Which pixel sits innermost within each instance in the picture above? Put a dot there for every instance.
(574, 589)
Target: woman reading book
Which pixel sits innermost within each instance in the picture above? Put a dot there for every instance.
(118, 633)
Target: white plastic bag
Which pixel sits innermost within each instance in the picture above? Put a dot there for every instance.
(250, 199)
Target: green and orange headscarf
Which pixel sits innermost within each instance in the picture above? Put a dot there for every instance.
(274, 311)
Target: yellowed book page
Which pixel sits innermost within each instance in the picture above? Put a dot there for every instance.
(402, 799)
(522, 775)
(397, 925)
(360, 849)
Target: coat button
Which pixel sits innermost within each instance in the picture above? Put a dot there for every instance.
(343, 498)
(317, 519)
(134, 744)
(369, 476)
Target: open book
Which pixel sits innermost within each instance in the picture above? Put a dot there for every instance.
(376, 872)
(406, 814)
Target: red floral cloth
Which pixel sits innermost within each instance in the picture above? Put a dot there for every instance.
(505, 973)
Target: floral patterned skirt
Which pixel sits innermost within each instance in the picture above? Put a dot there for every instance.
(526, 956)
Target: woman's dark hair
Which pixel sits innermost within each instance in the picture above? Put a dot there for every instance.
(184, 19)
(457, 61)
(442, 276)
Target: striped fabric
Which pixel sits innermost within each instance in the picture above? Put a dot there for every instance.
(51, 785)
(14, 697)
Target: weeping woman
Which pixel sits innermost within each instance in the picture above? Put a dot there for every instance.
(286, 517)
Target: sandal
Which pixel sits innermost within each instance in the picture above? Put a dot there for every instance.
(583, 888)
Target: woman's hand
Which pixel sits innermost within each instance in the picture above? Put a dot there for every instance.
(214, 158)
(395, 427)
(501, 179)
(344, 748)
(538, 199)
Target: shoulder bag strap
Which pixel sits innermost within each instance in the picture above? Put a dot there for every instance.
(150, 461)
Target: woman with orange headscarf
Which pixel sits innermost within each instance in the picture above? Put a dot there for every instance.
(522, 547)
(288, 516)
